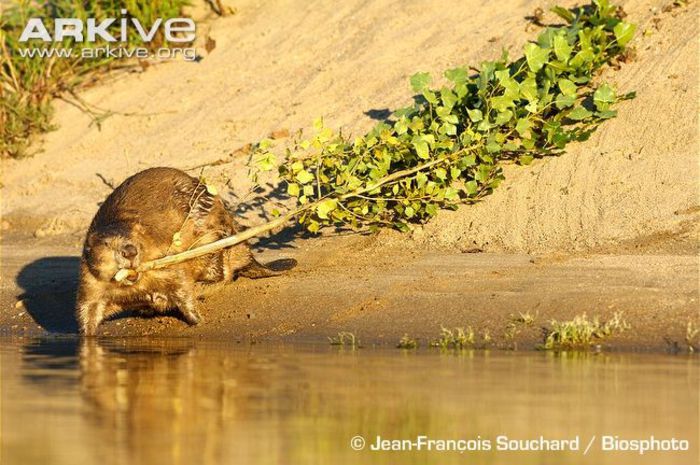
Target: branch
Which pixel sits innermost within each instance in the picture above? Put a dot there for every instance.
(262, 228)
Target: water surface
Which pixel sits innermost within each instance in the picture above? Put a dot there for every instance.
(181, 401)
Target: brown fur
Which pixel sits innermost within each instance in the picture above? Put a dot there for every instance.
(136, 223)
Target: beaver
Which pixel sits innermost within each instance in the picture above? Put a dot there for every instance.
(158, 212)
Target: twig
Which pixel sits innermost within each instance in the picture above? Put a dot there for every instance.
(105, 181)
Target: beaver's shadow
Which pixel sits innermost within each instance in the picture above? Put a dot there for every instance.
(49, 288)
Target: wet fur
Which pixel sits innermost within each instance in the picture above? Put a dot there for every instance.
(136, 223)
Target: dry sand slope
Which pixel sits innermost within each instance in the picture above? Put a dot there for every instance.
(280, 64)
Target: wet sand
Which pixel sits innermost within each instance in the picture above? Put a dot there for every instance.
(358, 285)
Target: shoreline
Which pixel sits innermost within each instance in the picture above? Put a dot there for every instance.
(351, 284)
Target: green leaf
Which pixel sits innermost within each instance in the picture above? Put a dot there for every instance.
(528, 89)
(304, 177)
(567, 87)
(420, 81)
(624, 32)
(493, 147)
(471, 187)
(457, 75)
(266, 162)
(451, 193)
(563, 13)
(564, 101)
(503, 117)
(546, 38)
(313, 226)
(484, 126)
(448, 97)
(606, 114)
(523, 127)
(440, 173)
(452, 119)
(325, 207)
(469, 160)
(502, 102)
(603, 97)
(293, 189)
(562, 49)
(400, 126)
(450, 129)
(582, 58)
(421, 179)
(430, 96)
(475, 115)
(579, 113)
(525, 159)
(536, 56)
(422, 150)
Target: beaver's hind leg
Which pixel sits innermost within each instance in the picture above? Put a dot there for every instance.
(181, 295)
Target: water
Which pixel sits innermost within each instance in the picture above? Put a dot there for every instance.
(180, 401)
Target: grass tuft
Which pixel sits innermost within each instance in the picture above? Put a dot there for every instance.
(459, 338)
(345, 339)
(581, 333)
(407, 342)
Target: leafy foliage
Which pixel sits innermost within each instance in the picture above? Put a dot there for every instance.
(448, 148)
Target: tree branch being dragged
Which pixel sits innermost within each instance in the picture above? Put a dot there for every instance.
(448, 148)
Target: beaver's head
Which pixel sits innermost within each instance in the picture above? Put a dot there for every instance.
(110, 250)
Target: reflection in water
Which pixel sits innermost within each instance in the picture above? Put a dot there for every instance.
(179, 401)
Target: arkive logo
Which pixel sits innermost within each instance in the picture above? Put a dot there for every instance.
(177, 30)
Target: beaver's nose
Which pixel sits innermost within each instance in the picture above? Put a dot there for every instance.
(129, 251)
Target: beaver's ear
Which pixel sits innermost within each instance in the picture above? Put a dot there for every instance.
(90, 241)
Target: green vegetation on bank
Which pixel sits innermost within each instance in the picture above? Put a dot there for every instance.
(582, 333)
(345, 339)
(578, 334)
(449, 146)
(29, 83)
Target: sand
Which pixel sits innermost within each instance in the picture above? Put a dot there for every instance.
(631, 190)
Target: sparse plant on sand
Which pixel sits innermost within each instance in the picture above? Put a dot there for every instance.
(582, 333)
(691, 337)
(407, 342)
(345, 339)
(458, 338)
(526, 318)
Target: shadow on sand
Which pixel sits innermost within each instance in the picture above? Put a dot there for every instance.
(49, 288)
